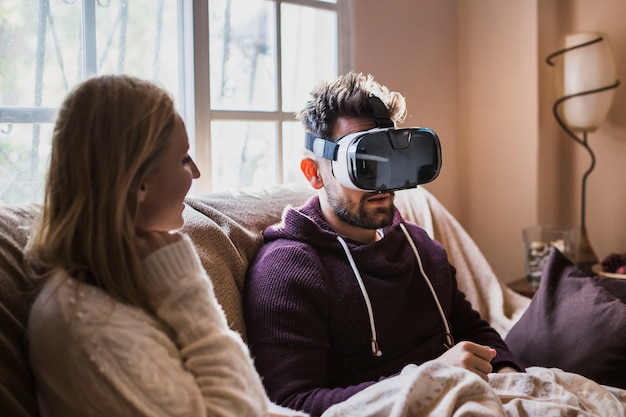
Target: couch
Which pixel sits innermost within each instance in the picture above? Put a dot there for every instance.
(226, 229)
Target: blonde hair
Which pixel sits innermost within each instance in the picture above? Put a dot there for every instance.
(107, 136)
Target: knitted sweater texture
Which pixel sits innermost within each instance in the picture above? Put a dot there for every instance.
(94, 356)
(307, 321)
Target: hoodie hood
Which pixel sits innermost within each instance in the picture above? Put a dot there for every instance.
(306, 224)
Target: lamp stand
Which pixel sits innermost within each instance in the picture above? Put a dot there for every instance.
(585, 256)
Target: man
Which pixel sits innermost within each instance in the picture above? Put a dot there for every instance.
(339, 297)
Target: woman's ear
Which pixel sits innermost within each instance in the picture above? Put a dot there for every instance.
(141, 195)
(311, 172)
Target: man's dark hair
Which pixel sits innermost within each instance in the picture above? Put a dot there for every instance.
(348, 95)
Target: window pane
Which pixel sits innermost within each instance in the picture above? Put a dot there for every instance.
(40, 47)
(38, 51)
(293, 149)
(41, 60)
(243, 154)
(309, 52)
(140, 38)
(24, 154)
(242, 55)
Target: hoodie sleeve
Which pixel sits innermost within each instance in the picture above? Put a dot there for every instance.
(465, 322)
(289, 340)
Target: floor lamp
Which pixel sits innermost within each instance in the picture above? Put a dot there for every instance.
(587, 81)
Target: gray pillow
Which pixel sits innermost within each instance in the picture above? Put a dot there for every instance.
(576, 323)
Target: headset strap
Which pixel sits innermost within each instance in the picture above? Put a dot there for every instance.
(328, 149)
(320, 146)
(381, 114)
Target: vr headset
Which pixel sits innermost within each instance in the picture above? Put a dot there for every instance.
(383, 158)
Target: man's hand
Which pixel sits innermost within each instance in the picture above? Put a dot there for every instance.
(507, 370)
(471, 356)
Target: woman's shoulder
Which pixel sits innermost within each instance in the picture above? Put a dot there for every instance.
(79, 338)
(74, 309)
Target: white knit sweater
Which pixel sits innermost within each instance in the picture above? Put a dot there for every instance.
(93, 356)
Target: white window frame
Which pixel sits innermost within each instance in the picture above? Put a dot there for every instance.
(194, 79)
(204, 114)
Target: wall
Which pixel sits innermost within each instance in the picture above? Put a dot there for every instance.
(475, 72)
(411, 48)
(499, 126)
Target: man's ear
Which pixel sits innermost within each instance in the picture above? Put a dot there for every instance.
(311, 172)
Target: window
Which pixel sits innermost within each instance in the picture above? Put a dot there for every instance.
(264, 57)
(47, 46)
(238, 70)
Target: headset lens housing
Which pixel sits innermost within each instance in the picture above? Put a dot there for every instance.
(392, 159)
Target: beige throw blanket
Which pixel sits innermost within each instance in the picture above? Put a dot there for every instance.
(495, 302)
(438, 390)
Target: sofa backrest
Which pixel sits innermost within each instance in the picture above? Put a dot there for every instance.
(226, 230)
(17, 293)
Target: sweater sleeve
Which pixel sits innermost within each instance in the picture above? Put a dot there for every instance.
(215, 355)
(93, 356)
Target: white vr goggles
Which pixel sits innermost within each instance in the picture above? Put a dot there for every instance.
(381, 159)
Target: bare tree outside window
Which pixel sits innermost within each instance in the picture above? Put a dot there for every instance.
(42, 56)
(263, 58)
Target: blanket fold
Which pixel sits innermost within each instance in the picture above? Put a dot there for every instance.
(439, 390)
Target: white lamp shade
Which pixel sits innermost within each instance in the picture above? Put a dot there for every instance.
(584, 69)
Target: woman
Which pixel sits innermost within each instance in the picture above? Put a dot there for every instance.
(127, 322)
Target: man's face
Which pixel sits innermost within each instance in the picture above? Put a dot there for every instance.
(366, 210)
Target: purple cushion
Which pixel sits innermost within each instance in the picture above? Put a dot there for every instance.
(576, 323)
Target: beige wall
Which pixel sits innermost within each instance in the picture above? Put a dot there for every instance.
(415, 53)
(475, 72)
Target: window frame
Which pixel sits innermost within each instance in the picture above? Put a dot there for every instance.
(204, 114)
(194, 82)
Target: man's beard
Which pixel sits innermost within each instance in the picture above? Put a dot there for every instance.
(356, 214)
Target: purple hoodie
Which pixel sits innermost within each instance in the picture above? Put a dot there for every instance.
(307, 321)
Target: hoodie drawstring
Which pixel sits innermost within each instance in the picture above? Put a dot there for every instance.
(374, 343)
(449, 338)
(375, 350)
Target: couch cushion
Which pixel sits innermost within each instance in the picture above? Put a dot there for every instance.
(226, 230)
(576, 323)
(17, 293)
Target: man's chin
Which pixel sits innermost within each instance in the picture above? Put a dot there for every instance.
(382, 217)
